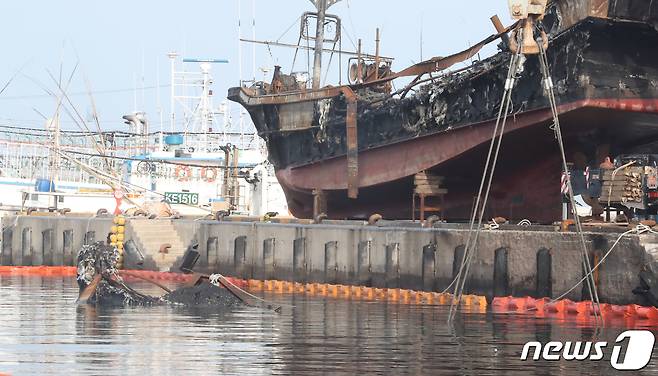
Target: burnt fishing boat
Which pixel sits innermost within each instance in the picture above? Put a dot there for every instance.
(352, 150)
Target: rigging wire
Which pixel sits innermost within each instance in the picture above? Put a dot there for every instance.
(349, 15)
(288, 29)
(116, 133)
(77, 93)
(349, 37)
(161, 161)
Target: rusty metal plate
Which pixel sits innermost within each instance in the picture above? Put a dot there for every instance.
(296, 116)
(352, 145)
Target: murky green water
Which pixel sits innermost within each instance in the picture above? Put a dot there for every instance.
(43, 331)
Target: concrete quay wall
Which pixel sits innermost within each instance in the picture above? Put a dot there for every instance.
(519, 261)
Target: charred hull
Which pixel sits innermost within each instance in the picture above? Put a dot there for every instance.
(605, 76)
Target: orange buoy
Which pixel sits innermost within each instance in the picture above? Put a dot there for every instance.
(500, 303)
(555, 307)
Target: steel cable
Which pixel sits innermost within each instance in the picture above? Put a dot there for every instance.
(591, 284)
(487, 178)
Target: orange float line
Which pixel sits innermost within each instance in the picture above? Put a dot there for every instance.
(394, 295)
(71, 271)
(44, 271)
(400, 296)
(584, 311)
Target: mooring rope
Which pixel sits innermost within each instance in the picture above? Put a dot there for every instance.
(639, 230)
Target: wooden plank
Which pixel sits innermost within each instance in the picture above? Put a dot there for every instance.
(421, 178)
(431, 191)
(629, 182)
(637, 170)
(621, 193)
(425, 174)
(424, 185)
(428, 181)
(622, 189)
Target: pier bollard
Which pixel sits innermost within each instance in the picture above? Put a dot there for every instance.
(7, 238)
(90, 237)
(331, 262)
(363, 263)
(67, 247)
(299, 259)
(500, 272)
(544, 274)
(26, 247)
(240, 256)
(428, 266)
(393, 265)
(269, 265)
(47, 257)
(212, 251)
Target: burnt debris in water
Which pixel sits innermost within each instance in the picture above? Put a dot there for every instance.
(203, 294)
(111, 290)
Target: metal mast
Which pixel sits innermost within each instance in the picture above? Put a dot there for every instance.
(321, 6)
(53, 127)
(172, 114)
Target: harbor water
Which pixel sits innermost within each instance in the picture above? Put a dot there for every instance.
(44, 331)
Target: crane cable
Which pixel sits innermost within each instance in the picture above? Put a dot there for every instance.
(516, 62)
(550, 93)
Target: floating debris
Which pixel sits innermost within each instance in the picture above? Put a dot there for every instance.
(100, 283)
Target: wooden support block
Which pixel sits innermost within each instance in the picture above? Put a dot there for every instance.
(431, 191)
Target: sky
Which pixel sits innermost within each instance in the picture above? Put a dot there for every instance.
(113, 49)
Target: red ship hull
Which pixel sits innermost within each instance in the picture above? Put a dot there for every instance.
(527, 182)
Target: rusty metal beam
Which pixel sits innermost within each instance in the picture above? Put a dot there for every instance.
(305, 48)
(248, 98)
(352, 144)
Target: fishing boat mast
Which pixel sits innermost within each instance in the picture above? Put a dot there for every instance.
(321, 6)
(53, 128)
